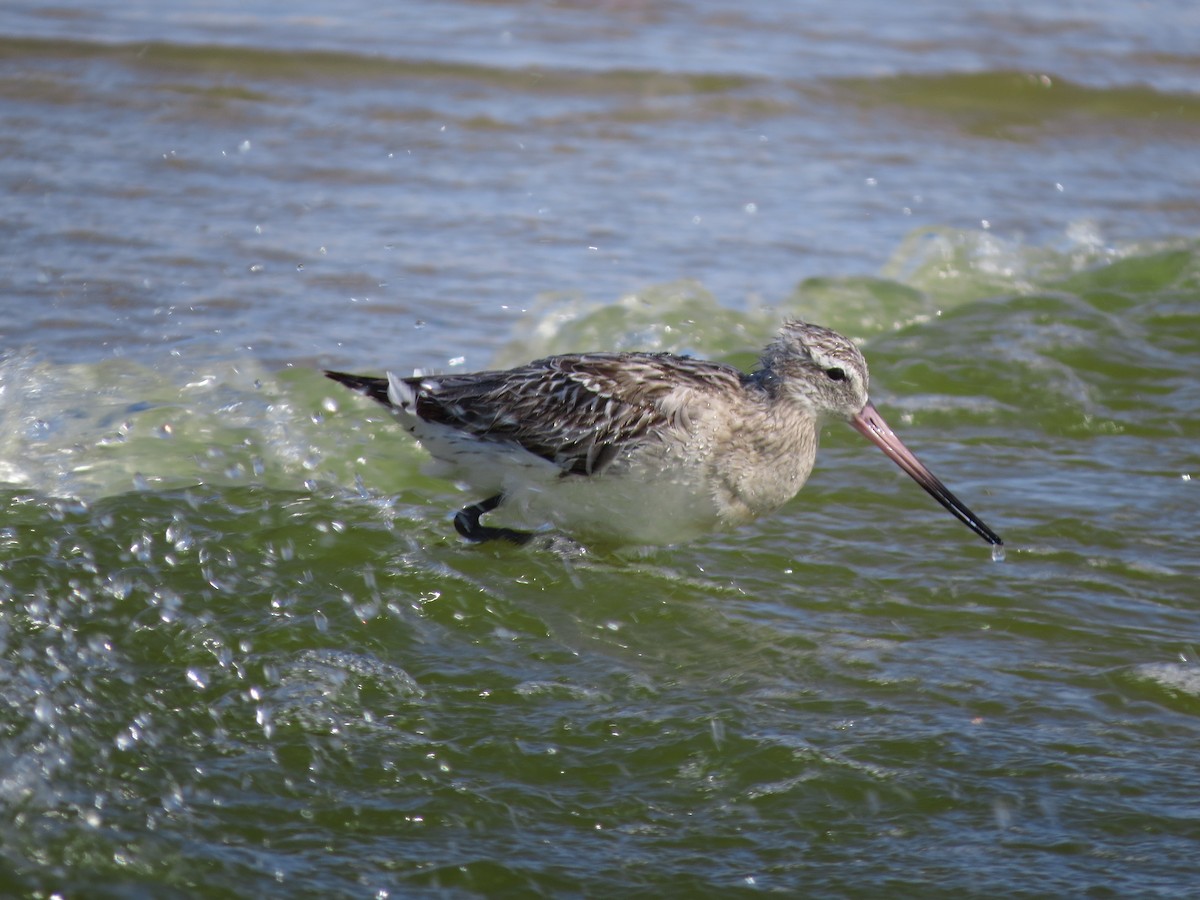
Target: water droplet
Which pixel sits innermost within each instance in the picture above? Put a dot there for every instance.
(997, 553)
(262, 715)
(1002, 813)
(43, 710)
(718, 732)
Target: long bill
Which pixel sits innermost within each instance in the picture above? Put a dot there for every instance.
(872, 426)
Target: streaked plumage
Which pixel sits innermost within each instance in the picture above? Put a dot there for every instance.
(644, 448)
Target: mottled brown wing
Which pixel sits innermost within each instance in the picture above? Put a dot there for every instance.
(578, 411)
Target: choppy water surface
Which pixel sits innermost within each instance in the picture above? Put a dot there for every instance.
(242, 651)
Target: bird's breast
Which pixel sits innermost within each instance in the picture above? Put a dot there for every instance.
(762, 463)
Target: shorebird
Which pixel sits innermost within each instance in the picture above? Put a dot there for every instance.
(644, 448)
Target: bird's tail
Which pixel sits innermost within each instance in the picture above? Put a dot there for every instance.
(373, 387)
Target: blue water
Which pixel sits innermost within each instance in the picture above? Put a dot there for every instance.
(242, 650)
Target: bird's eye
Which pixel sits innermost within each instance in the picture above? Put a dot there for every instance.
(836, 374)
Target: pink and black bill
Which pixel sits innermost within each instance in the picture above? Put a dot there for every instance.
(871, 424)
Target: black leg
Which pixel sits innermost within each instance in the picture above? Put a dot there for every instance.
(467, 524)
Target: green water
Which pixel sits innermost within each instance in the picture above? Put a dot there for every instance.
(244, 652)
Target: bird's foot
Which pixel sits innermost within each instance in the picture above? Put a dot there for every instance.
(467, 523)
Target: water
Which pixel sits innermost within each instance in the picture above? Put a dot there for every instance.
(242, 651)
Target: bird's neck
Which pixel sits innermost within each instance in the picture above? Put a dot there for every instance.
(762, 381)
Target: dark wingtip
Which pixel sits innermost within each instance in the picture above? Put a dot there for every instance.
(374, 387)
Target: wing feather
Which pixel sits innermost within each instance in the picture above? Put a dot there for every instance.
(579, 410)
